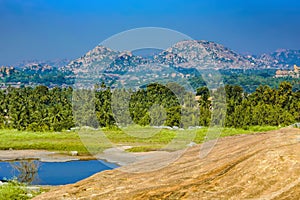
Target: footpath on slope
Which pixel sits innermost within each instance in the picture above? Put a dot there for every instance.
(259, 166)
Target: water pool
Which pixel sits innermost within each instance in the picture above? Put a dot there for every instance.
(52, 173)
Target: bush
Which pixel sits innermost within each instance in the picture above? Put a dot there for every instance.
(14, 190)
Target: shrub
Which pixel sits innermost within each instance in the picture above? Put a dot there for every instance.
(15, 190)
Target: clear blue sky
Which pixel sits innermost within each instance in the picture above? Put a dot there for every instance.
(48, 29)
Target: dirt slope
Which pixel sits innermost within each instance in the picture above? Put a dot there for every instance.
(260, 166)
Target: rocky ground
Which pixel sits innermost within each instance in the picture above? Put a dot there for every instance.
(260, 166)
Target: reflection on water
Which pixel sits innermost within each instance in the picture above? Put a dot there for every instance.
(51, 173)
(27, 170)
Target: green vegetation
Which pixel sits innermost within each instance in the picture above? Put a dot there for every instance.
(141, 139)
(249, 79)
(264, 107)
(198, 137)
(41, 109)
(36, 109)
(15, 190)
(58, 141)
(37, 76)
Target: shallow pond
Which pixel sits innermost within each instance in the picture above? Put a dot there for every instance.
(52, 173)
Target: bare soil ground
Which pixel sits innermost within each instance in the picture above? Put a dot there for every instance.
(260, 166)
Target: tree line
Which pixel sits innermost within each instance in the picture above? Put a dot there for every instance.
(57, 109)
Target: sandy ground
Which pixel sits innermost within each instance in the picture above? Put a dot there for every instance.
(260, 166)
(119, 156)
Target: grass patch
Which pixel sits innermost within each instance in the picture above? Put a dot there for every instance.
(62, 141)
(143, 149)
(94, 141)
(15, 190)
(167, 137)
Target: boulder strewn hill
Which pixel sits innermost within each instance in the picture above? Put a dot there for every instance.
(281, 58)
(180, 62)
(187, 54)
(260, 166)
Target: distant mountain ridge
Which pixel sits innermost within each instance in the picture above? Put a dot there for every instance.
(183, 60)
(185, 54)
(282, 58)
(207, 54)
(57, 63)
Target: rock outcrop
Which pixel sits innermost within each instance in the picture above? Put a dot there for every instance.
(259, 166)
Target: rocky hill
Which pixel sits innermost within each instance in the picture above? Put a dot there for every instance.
(203, 54)
(57, 63)
(260, 166)
(181, 62)
(282, 58)
(186, 54)
(182, 54)
(96, 60)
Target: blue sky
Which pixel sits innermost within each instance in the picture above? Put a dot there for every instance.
(49, 29)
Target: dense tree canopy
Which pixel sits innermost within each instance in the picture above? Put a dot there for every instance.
(44, 109)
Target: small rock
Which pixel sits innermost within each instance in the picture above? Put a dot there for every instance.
(33, 189)
(74, 153)
(191, 144)
(29, 195)
(296, 125)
